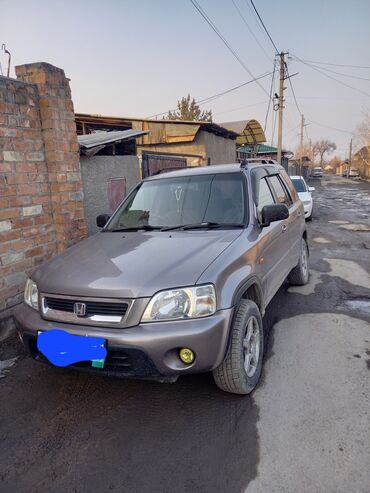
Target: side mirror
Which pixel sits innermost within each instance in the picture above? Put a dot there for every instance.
(311, 189)
(102, 220)
(272, 213)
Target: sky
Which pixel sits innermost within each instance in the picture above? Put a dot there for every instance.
(136, 58)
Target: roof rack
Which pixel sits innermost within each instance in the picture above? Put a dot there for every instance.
(247, 161)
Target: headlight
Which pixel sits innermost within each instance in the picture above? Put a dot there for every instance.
(175, 304)
(31, 294)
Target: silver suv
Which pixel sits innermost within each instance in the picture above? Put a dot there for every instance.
(176, 282)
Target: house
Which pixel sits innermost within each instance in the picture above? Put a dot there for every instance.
(361, 161)
(195, 143)
(109, 169)
(116, 152)
(263, 151)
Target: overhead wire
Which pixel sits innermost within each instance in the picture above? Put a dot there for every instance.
(264, 27)
(331, 128)
(338, 64)
(239, 108)
(342, 74)
(292, 89)
(215, 96)
(250, 30)
(225, 42)
(330, 76)
(270, 97)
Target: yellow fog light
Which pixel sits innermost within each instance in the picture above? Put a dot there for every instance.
(186, 355)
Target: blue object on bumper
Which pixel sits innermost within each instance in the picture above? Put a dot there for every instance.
(63, 349)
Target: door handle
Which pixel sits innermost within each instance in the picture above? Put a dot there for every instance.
(284, 227)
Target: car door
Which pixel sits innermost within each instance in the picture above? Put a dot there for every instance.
(273, 245)
(291, 225)
(297, 218)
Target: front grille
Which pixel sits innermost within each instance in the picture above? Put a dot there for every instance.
(92, 307)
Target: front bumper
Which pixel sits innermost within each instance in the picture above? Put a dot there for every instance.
(149, 350)
(307, 209)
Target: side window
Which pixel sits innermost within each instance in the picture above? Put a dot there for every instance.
(280, 191)
(289, 185)
(264, 196)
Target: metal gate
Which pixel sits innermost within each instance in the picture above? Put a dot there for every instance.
(152, 163)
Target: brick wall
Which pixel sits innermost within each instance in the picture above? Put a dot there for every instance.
(41, 198)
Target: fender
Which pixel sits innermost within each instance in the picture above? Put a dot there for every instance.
(244, 287)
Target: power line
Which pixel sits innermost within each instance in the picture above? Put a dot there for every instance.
(338, 64)
(211, 98)
(270, 98)
(215, 96)
(331, 77)
(250, 30)
(264, 27)
(328, 126)
(226, 43)
(292, 89)
(342, 74)
(239, 108)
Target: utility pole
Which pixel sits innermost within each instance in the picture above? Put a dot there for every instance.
(281, 106)
(301, 146)
(350, 159)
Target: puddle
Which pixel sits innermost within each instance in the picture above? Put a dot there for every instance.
(356, 227)
(358, 306)
(338, 222)
(320, 239)
(349, 271)
(5, 365)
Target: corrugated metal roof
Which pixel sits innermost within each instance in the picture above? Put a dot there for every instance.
(160, 130)
(101, 138)
(249, 131)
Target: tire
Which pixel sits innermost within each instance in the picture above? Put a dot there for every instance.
(299, 276)
(231, 375)
(309, 218)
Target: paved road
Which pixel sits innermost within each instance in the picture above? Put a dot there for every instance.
(305, 429)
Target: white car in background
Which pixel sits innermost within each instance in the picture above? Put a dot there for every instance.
(305, 195)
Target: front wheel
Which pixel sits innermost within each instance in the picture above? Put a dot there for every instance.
(240, 371)
(299, 276)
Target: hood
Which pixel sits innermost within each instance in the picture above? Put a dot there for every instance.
(305, 196)
(132, 264)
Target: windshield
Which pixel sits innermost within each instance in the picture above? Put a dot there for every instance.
(299, 185)
(186, 200)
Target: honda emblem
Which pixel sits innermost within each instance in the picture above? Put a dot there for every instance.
(79, 309)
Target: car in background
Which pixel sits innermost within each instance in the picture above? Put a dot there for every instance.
(354, 173)
(305, 195)
(317, 172)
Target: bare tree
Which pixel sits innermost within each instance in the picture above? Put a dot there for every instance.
(323, 147)
(362, 133)
(308, 151)
(335, 162)
(187, 109)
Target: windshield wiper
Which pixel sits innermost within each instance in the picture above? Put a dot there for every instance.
(143, 227)
(204, 225)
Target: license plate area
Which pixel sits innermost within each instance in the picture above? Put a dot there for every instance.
(64, 349)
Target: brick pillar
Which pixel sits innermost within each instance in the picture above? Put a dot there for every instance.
(61, 150)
